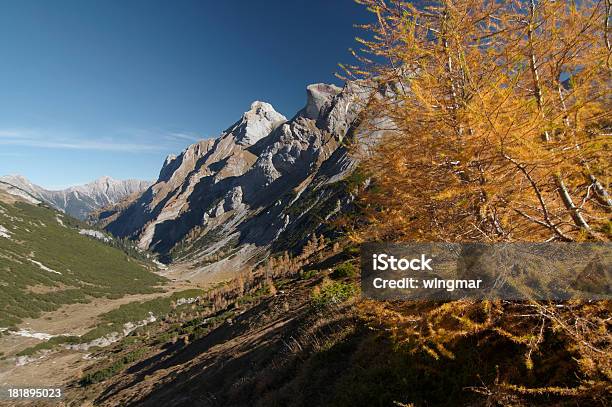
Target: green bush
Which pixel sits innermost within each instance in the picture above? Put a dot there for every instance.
(113, 369)
(332, 293)
(307, 275)
(352, 250)
(344, 270)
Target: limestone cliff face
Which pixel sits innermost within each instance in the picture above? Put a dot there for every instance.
(266, 181)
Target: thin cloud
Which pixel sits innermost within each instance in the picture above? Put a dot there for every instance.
(12, 134)
(183, 136)
(35, 139)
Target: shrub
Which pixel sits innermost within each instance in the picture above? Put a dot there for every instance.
(113, 369)
(344, 270)
(307, 275)
(333, 292)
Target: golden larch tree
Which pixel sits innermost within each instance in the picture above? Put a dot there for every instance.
(501, 117)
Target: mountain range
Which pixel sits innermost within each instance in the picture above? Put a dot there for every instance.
(79, 201)
(267, 182)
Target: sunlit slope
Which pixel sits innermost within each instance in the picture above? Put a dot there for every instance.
(45, 263)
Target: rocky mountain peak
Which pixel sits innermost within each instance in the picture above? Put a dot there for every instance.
(261, 108)
(19, 181)
(103, 181)
(106, 184)
(318, 95)
(256, 123)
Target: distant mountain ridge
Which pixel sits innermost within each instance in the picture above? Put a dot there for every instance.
(79, 201)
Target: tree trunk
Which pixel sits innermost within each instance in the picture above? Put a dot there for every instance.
(571, 207)
(537, 88)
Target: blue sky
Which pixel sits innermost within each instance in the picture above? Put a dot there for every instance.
(92, 88)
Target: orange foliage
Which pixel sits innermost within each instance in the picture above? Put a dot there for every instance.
(501, 117)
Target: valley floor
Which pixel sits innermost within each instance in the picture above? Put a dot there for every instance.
(60, 366)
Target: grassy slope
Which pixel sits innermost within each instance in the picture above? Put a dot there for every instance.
(307, 344)
(88, 267)
(304, 346)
